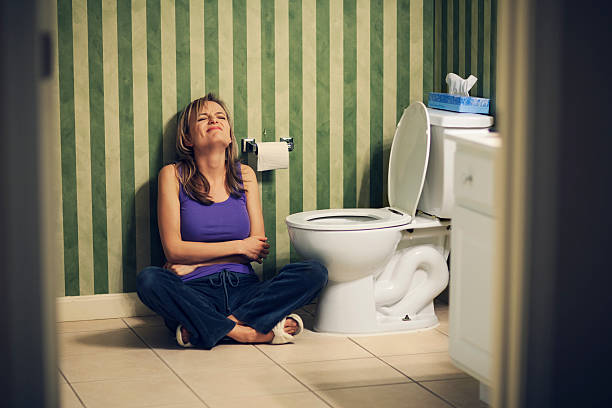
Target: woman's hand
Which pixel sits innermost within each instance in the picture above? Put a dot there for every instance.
(255, 248)
(180, 270)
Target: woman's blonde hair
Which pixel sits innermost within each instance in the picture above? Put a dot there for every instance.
(194, 183)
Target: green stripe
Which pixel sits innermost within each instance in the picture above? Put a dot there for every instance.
(349, 147)
(97, 145)
(438, 45)
(461, 38)
(126, 135)
(493, 55)
(240, 69)
(296, 193)
(183, 71)
(376, 105)
(455, 36)
(443, 46)
(68, 147)
(480, 58)
(267, 122)
(323, 164)
(486, 61)
(155, 118)
(468, 38)
(428, 50)
(211, 45)
(403, 56)
(438, 87)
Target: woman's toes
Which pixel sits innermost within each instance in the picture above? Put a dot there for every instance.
(185, 335)
(291, 326)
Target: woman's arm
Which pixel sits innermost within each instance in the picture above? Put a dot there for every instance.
(183, 269)
(249, 180)
(178, 251)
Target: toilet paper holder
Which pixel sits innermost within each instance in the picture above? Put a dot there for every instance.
(249, 145)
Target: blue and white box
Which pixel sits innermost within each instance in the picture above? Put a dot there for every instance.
(458, 103)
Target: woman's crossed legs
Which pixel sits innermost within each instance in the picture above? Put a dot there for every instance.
(230, 304)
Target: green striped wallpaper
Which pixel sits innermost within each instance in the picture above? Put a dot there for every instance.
(333, 74)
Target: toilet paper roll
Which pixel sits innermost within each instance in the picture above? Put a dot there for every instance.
(272, 155)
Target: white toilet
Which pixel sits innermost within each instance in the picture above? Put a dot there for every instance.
(387, 265)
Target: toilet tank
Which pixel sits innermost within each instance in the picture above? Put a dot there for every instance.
(437, 197)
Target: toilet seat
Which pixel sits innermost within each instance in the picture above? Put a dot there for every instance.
(349, 219)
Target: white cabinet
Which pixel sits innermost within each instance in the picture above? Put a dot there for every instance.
(473, 242)
(470, 293)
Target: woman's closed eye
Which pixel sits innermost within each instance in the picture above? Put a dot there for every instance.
(204, 116)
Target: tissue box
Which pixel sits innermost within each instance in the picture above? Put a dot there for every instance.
(457, 103)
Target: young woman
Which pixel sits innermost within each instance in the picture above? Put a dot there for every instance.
(211, 227)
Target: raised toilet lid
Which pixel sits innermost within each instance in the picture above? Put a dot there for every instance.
(409, 158)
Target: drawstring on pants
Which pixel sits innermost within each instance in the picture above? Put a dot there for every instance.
(225, 277)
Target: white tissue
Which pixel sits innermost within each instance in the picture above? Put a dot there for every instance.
(272, 155)
(458, 85)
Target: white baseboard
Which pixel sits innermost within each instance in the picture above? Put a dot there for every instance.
(107, 306)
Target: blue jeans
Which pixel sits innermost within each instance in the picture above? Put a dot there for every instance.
(202, 305)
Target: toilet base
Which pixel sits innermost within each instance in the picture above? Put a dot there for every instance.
(349, 308)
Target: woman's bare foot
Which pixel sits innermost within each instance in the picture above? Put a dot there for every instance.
(291, 326)
(233, 319)
(246, 334)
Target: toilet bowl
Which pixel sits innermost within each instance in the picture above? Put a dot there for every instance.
(385, 266)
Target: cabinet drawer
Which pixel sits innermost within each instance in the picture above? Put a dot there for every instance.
(474, 176)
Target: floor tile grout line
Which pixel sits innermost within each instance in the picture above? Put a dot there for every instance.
(414, 354)
(363, 386)
(407, 376)
(433, 393)
(169, 367)
(378, 358)
(444, 333)
(294, 377)
(323, 361)
(72, 388)
(150, 377)
(467, 377)
(58, 332)
(411, 354)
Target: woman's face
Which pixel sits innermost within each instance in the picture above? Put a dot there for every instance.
(210, 127)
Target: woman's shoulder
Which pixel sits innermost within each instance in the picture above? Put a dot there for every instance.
(169, 173)
(168, 169)
(248, 174)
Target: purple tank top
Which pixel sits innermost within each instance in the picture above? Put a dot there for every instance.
(223, 221)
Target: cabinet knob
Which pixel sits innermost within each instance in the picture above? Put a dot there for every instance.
(468, 179)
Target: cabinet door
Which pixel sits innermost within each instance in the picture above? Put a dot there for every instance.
(472, 243)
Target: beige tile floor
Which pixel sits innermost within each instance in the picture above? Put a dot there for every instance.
(134, 362)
